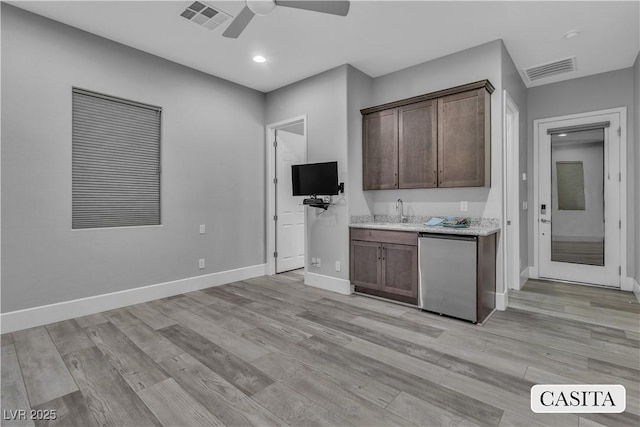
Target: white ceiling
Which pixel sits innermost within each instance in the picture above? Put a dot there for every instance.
(377, 37)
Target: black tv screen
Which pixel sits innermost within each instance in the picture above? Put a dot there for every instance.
(315, 179)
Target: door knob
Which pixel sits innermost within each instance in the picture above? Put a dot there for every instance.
(546, 221)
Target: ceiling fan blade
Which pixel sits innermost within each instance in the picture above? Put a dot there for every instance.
(340, 8)
(239, 24)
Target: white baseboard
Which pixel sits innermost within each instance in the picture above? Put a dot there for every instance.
(524, 276)
(636, 288)
(43, 315)
(328, 283)
(502, 300)
(533, 273)
(626, 284)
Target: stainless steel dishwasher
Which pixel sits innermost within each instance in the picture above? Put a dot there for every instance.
(448, 274)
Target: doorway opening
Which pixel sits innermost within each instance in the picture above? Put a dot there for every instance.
(286, 225)
(580, 198)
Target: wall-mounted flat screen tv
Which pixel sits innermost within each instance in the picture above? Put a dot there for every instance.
(315, 179)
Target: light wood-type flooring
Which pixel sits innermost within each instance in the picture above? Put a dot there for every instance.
(271, 351)
(589, 253)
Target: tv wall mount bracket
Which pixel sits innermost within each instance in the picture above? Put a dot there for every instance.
(317, 202)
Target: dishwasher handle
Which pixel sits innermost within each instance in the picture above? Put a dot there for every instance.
(448, 236)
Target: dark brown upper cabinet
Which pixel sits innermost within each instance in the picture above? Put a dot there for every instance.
(417, 145)
(464, 139)
(440, 139)
(380, 150)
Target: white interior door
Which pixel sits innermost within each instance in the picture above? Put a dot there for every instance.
(511, 193)
(579, 200)
(290, 150)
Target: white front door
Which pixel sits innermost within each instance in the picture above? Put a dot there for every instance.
(578, 208)
(290, 150)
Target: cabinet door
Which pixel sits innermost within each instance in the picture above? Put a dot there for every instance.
(400, 269)
(464, 140)
(365, 264)
(417, 145)
(380, 150)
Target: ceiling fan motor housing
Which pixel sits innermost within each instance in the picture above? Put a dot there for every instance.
(261, 7)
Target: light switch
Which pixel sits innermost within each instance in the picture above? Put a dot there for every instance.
(525, 205)
(202, 229)
(524, 176)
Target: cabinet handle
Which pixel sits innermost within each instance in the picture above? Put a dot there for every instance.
(383, 252)
(378, 253)
(434, 176)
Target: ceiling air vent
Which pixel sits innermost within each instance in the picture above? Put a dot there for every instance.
(205, 15)
(551, 69)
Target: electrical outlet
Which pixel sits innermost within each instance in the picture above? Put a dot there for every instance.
(524, 176)
(201, 264)
(525, 205)
(464, 206)
(337, 265)
(202, 229)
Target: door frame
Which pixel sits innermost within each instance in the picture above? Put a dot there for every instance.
(271, 193)
(537, 124)
(511, 192)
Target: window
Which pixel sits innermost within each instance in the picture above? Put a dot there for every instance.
(115, 162)
(570, 186)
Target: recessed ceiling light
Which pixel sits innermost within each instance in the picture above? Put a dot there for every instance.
(571, 34)
(259, 59)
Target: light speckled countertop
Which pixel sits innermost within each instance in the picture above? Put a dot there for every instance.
(479, 226)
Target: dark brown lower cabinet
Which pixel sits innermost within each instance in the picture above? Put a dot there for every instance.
(385, 263)
(366, 271)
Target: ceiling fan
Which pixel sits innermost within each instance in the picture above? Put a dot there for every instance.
(263, 7)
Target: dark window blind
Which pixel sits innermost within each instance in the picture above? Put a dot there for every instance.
(116, 162)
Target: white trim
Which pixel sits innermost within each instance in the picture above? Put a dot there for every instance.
(502, 300)
(622, 112)
(43, 315)
(626, 283)
(511, 199)
(270, 193)
(636, 287)
(524, 276)
(328, 283)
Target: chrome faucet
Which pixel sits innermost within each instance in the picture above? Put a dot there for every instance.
(400, 208)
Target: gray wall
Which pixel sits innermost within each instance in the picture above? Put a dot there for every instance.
(636, 114)
(478, 63)
(597, 92)
(359, 93)
(212, 158)
(323, 98)
(512, 83)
